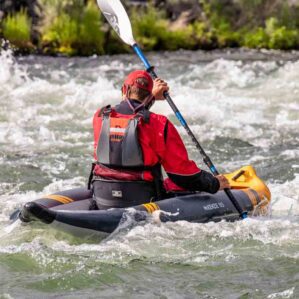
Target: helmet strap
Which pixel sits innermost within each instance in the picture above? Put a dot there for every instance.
(149, 102)
(146, 103)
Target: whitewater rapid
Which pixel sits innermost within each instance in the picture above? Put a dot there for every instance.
(243, 111)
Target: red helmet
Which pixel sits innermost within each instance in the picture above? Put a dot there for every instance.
(131, 80)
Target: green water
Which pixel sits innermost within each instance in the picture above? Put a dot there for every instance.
(243, 110)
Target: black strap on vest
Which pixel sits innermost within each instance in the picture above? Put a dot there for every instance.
(91, 175)
(105, 110)
(158, 181)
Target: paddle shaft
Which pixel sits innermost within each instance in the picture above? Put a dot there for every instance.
(206, 158)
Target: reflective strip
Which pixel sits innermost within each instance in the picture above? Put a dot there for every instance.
(257, 196)
(117, 130)
(155, 206)
(251, 196)
(151, 207)
(60, 198)
(148, 207)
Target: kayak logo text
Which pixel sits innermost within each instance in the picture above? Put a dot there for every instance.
(214, 206)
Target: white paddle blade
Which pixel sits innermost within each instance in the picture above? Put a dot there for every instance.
(116, 15)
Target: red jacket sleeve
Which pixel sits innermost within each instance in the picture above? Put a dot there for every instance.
(97, 122)
(176, 160)
(182, 171)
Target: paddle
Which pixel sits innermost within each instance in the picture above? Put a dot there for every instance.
(116, 15)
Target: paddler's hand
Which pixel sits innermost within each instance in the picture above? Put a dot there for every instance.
(158, 89)
(223, 181)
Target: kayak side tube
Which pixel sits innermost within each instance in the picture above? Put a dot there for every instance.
(199, 207)
(73, 199)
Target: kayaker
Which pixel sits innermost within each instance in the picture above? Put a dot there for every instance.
(131, 144)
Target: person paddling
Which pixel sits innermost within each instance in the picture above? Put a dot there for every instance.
(132, 144)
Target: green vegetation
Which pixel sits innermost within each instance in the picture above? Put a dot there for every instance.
(153, 31)
(272, 36)
(16, 29)
(74, 33)
(244, 25)
(75, 27)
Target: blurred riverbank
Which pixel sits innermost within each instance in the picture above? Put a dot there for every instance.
(76, 27)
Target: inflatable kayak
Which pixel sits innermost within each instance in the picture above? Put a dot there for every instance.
(72, 207)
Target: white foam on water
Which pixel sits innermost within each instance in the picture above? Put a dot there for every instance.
(33, 106)
(181, 242)
(215, 106)
(234, 98)
(9, 229)
(11, 74)
(283, 294)
(12, 201)
(254, 102)
(285, 198)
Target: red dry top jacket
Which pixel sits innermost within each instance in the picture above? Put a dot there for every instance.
(161, 143)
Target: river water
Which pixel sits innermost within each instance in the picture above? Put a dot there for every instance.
(244, 108)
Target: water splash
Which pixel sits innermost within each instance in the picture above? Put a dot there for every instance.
(11, 73)
(236, 110)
